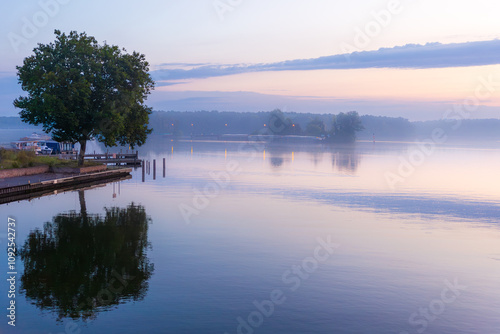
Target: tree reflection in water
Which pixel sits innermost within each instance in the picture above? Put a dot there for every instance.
(346, 160)
(82, 264)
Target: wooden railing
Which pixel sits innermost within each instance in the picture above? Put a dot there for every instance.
(109, 158)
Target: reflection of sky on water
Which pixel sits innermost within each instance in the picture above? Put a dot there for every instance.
(397, 247)
(454, 182)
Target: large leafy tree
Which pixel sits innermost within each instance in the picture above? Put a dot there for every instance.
(80, 90)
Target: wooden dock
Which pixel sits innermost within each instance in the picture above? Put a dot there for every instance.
(129, 159)
(27, 191)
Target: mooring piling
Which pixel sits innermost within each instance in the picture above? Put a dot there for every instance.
(143, 170)
(154, 169)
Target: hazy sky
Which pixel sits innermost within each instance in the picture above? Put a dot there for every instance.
(259, 55)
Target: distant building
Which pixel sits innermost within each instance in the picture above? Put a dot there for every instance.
(43, 144)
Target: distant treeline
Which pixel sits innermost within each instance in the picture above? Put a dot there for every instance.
(214, 122)
(469, 129)
(15, 123)
(383, 128)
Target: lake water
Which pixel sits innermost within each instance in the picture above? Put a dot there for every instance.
(373, 238)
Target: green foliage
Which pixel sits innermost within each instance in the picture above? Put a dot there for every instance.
(23, 159)
(316, 127)
(17, 159)
(50, 161)
(80, 90)
(345, 126)
(7, 154)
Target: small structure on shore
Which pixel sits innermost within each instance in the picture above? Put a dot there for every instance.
(43, 144)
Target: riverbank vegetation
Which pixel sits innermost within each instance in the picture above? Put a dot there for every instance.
(337, 128)
(24, 159)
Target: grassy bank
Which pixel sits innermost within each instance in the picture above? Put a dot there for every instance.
(23, 159)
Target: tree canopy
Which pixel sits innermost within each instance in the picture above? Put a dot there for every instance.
(79, 90)
(345, 126)
(315, 127)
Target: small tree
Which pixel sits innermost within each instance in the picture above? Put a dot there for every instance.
(316, 127)
(80, 90)
(345, 126)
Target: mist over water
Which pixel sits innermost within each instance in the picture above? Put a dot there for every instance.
(243, 237)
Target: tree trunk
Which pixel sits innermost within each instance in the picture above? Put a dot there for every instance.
(83, 204)
(83, 145)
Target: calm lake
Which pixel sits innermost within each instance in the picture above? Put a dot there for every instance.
(384, 237)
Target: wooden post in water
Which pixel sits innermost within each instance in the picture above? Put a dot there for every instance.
(143, 170)
(154, 169)
(164, 169)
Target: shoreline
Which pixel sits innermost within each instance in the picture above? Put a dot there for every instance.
(37, 185)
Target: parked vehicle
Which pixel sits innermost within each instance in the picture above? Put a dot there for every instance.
(42, 144)
(45, 150)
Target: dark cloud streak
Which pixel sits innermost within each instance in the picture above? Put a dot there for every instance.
(431, 55)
